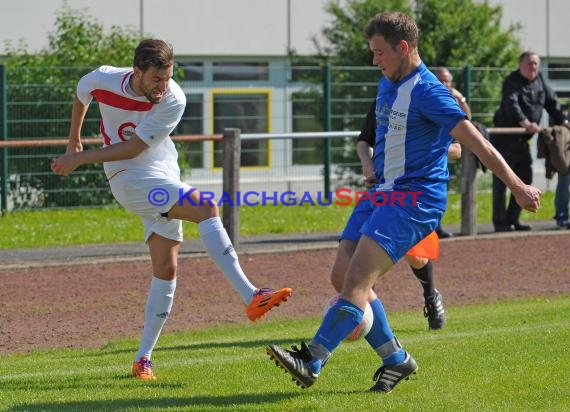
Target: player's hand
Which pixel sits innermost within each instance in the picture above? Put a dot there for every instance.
(74, 147)
(65, 164)
(368, 173)
(370, 181)
(532, 128)
(528, 197)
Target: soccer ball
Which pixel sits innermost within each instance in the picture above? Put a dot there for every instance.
(362, 329)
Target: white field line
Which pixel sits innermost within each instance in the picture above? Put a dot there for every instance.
(124, 369)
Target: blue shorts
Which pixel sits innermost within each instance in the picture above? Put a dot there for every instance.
(396, 227)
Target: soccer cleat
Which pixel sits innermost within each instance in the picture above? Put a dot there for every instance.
(434, 312)
(142, 369)
(388, 376)
(264, 300)
(299, 363)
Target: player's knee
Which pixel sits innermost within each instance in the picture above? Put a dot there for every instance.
(214, 210)
(208, 211)
(169, 269)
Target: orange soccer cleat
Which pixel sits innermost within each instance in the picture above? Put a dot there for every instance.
(142, 369)
(264, 300)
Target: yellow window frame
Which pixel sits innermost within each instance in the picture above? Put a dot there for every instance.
(268, 93)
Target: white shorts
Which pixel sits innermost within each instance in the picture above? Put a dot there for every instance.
(148, 195)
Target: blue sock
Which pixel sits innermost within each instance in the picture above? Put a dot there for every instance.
(381, 337)
(338, 322)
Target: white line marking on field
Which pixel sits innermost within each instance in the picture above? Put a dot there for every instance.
(124, 369)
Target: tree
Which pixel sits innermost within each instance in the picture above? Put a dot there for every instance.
(453, 33)
(463, 32)
(77, 45)
(459, 33)
(41, 88)
(352, 74)
(346, 45)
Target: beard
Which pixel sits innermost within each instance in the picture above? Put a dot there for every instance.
(154, 99)
(149, 93)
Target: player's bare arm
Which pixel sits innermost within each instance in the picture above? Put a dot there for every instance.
(364, 152)
(78, 112)
(67, 163)
(461, 101)
(528, 197)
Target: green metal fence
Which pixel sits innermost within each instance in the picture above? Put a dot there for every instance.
(36, 104)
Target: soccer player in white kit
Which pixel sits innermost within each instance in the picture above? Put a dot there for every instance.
(140, 107)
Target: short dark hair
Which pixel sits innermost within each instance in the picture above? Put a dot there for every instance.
(526, 54)
(394, 26)
(440, 70)
(155, 53)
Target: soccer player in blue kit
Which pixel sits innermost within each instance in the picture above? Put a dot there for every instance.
(415, 116)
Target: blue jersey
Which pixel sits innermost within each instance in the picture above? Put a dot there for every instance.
(413, 119)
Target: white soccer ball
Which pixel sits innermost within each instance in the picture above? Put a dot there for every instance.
(361, 330)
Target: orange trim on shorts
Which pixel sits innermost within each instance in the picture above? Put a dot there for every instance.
(428, 247)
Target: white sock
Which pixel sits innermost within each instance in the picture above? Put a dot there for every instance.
(158, 306)
(219, 247)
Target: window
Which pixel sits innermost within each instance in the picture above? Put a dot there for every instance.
(306, 74)
(192, 122)
(564, 98)
(307, 110)
(249, 112)
(307, 114)
(559, 71)
(233, 71)
(192, 71)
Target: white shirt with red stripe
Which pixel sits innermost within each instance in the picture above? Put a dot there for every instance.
(123, 114)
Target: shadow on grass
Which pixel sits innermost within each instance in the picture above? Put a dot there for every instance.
(100, 382)
(197, 402)
(260, 343)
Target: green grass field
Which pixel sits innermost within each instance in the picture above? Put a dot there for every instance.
(49, 228)
(509, 356)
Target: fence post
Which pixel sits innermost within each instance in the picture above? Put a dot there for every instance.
(468, 192)
(327, 109)
(467, 83)
(232, 156)
(4, 172)
(468, 174)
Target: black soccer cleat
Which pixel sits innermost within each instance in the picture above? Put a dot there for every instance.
(434, 312)
(388, 376)
(299, 363)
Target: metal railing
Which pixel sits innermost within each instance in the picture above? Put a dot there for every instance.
(232, 144)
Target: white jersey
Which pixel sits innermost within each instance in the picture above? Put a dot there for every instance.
(123, 114)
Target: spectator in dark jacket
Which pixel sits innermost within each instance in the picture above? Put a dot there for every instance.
(525, 95)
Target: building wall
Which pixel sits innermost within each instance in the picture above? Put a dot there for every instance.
(194, 27)
(251, 27)
(544, 24)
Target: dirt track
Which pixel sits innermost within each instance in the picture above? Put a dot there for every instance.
(87, 305)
